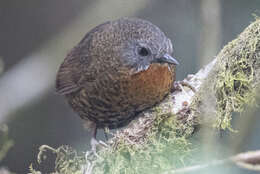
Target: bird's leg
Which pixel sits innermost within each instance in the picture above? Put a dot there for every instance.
(93, 141)
(106, 131)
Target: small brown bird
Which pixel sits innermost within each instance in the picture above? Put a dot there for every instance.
(117, 70)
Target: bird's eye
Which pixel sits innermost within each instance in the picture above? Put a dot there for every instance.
(143, 51)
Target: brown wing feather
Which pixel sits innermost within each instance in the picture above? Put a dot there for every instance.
(65, 83)
(77, 62)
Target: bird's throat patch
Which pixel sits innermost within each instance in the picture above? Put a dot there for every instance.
(152, 84)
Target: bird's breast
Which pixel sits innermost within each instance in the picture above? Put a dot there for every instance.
(148, 87)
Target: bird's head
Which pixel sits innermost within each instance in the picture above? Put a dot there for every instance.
(143, 44)
(128, 43)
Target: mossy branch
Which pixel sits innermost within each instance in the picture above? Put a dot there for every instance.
(157, 141)
(232, 82)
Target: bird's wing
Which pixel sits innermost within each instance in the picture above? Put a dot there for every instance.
(77, 66)
(67, 76)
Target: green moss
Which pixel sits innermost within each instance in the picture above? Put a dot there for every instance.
(156, 157)
(67, 160)
(165, 149)
(235, 85)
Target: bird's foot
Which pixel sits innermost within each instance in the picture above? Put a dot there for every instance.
(94, 143)
(89, 165)
(178, 86)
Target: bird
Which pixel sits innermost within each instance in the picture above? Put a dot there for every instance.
(119, 69)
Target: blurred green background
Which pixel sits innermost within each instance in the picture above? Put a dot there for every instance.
(36, 35)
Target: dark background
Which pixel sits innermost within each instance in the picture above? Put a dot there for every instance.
(28, 26)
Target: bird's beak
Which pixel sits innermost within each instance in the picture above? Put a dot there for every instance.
(166, 58)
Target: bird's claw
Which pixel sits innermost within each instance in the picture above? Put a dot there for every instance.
(178, 86)
(94, 143)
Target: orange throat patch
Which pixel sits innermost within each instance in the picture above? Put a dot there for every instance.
(153, 84)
